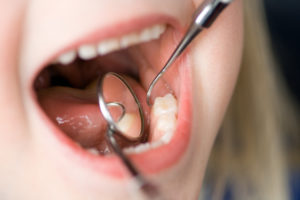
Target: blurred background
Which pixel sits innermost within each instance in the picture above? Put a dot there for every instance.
(283, 18)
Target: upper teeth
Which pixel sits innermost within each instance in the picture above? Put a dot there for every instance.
(90, 51)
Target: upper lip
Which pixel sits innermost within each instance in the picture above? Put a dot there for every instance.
(110, 165)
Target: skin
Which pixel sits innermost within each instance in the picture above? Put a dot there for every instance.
(28, 170)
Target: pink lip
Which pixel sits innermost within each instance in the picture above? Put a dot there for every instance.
(152, 161)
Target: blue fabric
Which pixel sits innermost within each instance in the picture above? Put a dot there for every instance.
(295, 185)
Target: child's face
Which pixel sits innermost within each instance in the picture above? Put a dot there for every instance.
(38, 161)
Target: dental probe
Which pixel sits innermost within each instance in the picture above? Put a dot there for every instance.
(203, 17)
(113, 133)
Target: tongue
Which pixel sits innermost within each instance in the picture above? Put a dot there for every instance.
(77, 113)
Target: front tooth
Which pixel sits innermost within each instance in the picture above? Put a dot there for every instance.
(87, 52)
(67, 58)
(129, 40)
(108, 46)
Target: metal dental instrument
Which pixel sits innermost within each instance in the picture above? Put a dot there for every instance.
(108, 117)
(203, 17)
(113, 133)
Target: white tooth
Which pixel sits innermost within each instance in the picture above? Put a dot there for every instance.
(129, 40)
(67, 58)
(129, 125)
(157, 30)
(142, 147)
(90, 51)
(165, 105)
(166, 125)
(87, 52)
(126, 123)
(164, 118)
(152, 33)
(108, 46)
(93, 151)
(145, 35)
(137, 149)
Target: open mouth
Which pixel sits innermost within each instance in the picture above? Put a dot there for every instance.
(66, 91)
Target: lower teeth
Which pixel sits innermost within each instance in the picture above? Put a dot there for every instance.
(163, 124)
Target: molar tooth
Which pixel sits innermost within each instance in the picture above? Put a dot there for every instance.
(164, 118)
(129, 40)
(164, 105)
(166, 124)
(108, 46)
(87, 52)
(163, 124)
(67, 58)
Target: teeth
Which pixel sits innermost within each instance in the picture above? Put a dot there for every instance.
(67, 58)
(87, 52)
(90, 51)
(158, 30)
(129, 125)
(129, 40)
(163, 124)
(108, 46)
(164, 118)
(146, 35)
(142, 147)
(152, 33)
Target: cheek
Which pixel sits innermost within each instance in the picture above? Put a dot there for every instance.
(216, 57)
